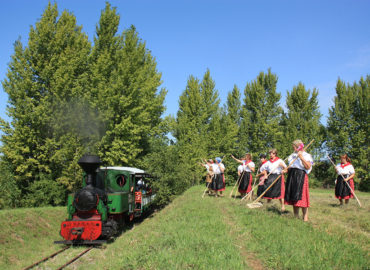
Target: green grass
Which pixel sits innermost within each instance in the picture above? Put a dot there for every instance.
(208, 233)
(27, 235)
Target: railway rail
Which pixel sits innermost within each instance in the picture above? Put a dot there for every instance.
(55, 254)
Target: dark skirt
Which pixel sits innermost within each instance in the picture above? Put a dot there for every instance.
(245, 183)
(218, 183)
(277, 190)
(260, 190)
(342, 191)
(294, 184)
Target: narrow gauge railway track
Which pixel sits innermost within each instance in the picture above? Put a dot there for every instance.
(55, 254)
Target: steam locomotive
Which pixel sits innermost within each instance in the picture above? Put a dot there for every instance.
(110, 198)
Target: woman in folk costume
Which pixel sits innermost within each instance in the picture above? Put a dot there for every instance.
(345, 168)
(246, 181)
(208, 165)
(296, 187)
(218, 183)
(262, 175)
(275, 167)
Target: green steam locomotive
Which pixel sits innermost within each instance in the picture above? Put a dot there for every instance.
(110, 198)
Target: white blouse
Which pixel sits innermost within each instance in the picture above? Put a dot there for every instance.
(274, 167)
(246, 168)
(216, 168)
(345, 169)
(298, 163)
(240, 168)
(263, 167)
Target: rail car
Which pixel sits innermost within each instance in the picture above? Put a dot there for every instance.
(110, 198)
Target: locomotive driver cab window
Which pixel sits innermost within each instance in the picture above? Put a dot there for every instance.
(121, 180)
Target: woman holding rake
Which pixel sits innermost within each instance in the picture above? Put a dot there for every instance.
(275, 167)
(209, 178)
(218, 183)
(296, 187)
(245, 184)
(262, 175)
(345, 168)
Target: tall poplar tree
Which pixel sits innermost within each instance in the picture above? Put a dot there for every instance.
(125, 80)
(231, 121)
(194, 128)
(261, 114)
(229, 129)
(42, 77)
(302, 119)
(348, 128)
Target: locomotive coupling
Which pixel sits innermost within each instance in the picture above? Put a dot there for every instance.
(77, 231)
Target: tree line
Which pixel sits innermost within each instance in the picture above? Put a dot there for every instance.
(69, 96)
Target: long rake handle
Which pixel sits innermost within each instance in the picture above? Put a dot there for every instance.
(277, 178)
(254, 184)
(236, 183)
(246, 195)
(250, 192)
(353, 192)
(207, 187)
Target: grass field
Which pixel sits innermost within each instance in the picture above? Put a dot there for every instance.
(208, 233)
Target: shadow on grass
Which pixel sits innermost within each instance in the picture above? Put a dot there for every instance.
(277, 211)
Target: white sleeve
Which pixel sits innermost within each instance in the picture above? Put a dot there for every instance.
(351, 170)
(282, 162)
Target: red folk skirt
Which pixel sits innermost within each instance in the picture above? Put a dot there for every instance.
(223, 181)
(305, 201)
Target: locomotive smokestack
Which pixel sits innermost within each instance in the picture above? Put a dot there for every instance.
(89, 163)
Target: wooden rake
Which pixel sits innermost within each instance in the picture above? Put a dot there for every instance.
(353, 192)
(256, 203)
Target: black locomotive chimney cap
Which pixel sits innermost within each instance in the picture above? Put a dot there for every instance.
(89, 163)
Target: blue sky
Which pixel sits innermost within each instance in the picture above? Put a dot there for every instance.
(315, 42)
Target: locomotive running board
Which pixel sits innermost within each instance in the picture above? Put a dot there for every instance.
(81, 242)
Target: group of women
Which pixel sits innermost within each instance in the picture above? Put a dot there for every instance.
(294, 190)
(215, 180)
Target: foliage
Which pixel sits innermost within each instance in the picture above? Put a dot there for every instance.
(42, 77)
(197, 126)
(230, 122)
(10, 195)
(44, 192)
(302, 119)
(124, 84)
(67, 98)
(261, 114)
(324, 174)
